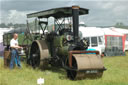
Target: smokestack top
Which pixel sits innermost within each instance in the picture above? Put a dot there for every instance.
(75, 7)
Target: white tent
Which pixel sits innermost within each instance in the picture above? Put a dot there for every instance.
(91, 31)
(108, 31)
(2, 31)
(119, 30)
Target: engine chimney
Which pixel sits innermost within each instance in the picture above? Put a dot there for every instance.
(75, 16)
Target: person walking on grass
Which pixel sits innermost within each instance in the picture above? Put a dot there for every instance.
(14, 51)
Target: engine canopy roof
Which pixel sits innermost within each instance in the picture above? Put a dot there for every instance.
(57, 12)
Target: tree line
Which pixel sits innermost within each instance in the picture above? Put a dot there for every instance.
(11, 25)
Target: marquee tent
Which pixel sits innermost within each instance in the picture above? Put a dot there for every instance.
(123, 31)
(114, 42)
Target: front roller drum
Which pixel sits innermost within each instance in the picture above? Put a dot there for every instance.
(85, 66)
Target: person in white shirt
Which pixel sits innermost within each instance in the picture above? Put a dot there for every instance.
(14, 51)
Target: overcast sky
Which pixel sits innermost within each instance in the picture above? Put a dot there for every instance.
(101, 12)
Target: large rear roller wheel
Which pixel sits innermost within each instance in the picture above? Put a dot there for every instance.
(39, 54)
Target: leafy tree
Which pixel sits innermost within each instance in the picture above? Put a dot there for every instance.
(3, 25)
(121, 25)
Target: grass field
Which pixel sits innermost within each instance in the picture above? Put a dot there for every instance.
(116, 74)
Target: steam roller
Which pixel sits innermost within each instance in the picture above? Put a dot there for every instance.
(63, 47)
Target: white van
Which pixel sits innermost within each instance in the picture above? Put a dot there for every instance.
(95, 36)
(97, 43)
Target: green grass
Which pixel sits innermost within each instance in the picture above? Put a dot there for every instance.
(116, 74)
